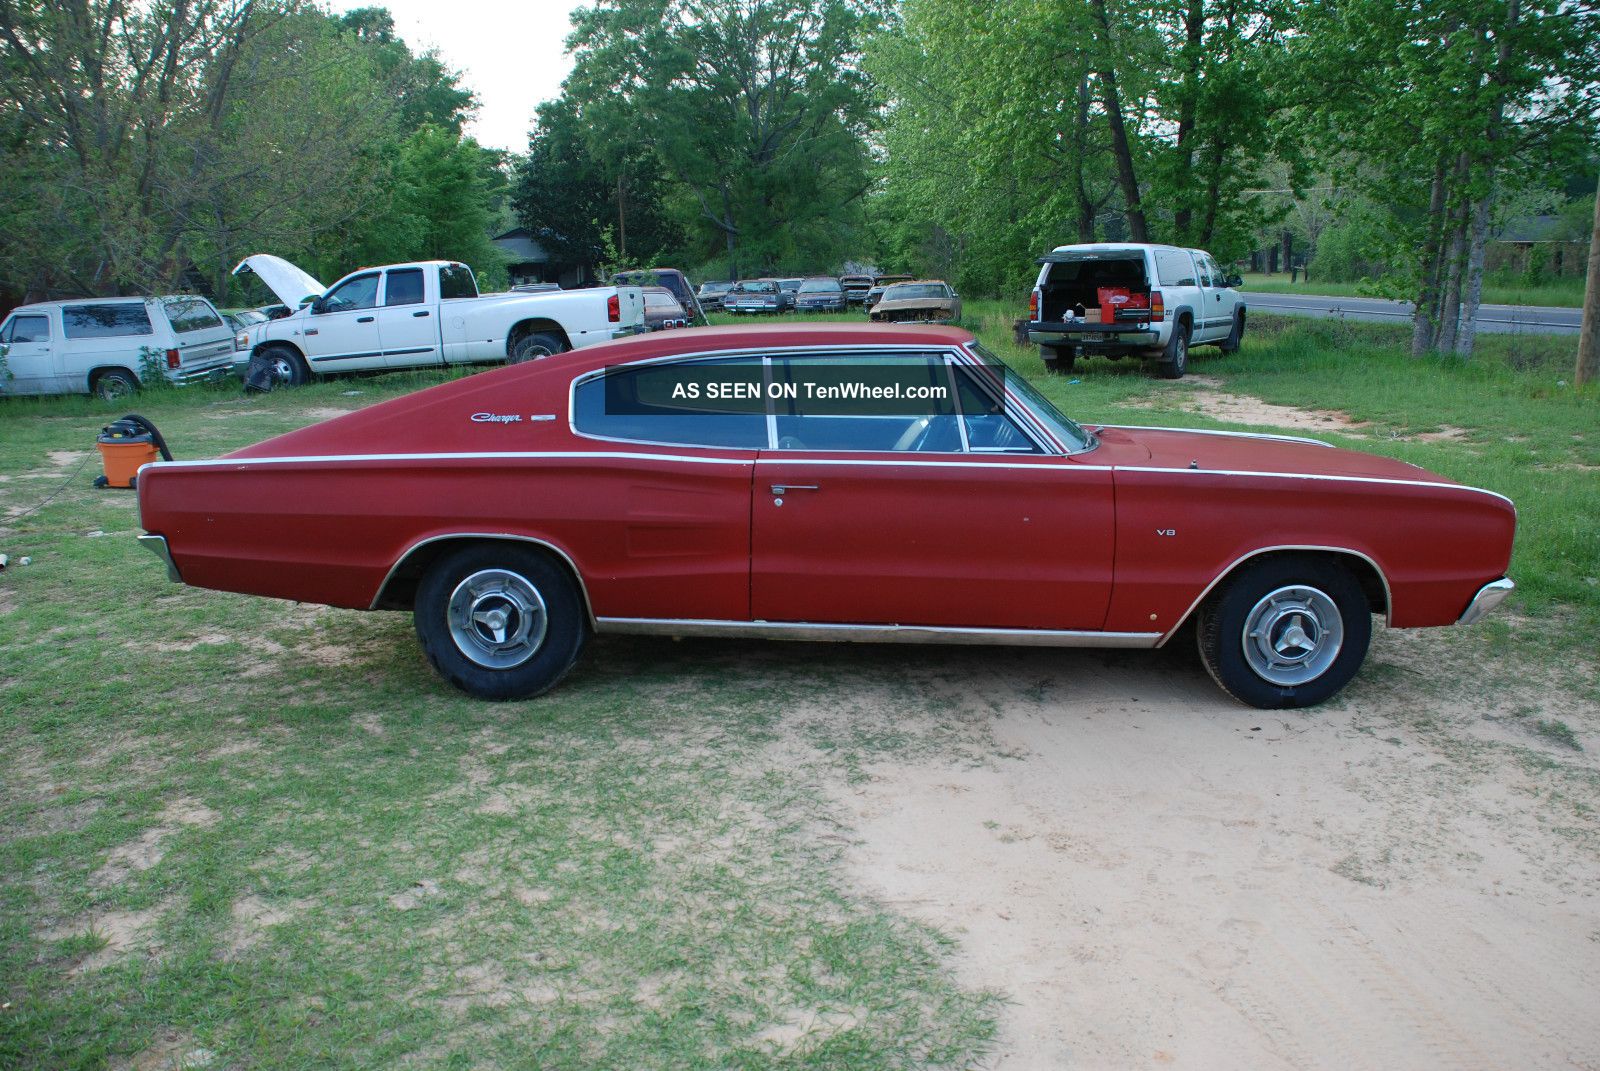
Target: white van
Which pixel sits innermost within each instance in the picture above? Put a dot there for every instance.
(105, 345)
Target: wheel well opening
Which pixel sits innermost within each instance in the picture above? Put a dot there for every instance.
(399, 591)
(95, 374)
(535, 327)
(1364, 571)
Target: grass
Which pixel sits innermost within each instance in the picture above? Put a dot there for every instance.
(271, 834)
(1564, 291)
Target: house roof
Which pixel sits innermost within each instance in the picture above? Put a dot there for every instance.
(522, 247)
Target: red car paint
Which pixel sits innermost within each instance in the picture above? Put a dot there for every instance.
(1124, 538)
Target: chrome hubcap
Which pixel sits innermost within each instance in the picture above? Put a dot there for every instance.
(1293, 635)
(497, 618)
(281, 370)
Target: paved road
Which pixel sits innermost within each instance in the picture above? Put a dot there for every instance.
(1498, 319)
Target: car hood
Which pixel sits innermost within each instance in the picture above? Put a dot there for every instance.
(1173, 448)
(288, 282)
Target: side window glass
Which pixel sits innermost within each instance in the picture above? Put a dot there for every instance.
(683, 403)
(1175, 268)
(869, 403)
(5, 332)
(119, 320)
(983, 415)
(404, 287)
(27, 329)
(455, 281)
(358, 293)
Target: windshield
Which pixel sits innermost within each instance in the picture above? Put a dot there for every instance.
(820, 286)
(1070, 434)
(756, 288)
(914, 290)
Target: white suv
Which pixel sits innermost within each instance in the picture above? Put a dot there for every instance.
(1121, 299)
(105, 345)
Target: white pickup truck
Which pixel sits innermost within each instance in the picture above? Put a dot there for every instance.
(419, 315)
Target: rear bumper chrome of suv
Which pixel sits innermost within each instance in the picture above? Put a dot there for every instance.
(1488, 597)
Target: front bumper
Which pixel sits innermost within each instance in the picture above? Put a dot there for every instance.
(158, 547)
(1488, 597)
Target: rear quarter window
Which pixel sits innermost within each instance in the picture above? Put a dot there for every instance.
(455, 281)
(119, 320)
(645, 405)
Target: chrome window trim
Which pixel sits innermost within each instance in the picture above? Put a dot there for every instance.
(583, 587)
(805, 630)
(1219, 431)
(1383, 578)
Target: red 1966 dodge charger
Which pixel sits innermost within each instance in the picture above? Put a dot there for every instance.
(711, 482)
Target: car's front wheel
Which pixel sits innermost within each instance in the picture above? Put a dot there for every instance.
(1285, 631)
(500, 621)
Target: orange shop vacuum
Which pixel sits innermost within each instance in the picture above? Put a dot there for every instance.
(126, 444)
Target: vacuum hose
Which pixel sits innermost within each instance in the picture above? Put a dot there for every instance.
(155, 435)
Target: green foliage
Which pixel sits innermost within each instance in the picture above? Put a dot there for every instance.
(153, 369)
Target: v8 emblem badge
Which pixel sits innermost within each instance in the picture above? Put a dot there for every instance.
(1166, 531)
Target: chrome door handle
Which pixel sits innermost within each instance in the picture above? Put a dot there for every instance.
(784, 488)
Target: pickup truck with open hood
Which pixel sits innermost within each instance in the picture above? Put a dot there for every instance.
(419, 315)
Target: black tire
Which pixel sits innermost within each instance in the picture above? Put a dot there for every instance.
(1058, 358)
(114, 384)
(1175, 358)
(453, 609)
(277, 366)
(1317, 596)
(532, 347)
(1235, 336)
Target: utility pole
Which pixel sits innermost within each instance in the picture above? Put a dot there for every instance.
(1588, 370)
(622, 225)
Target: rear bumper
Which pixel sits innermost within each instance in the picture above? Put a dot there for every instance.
(1488, 597)
(1090, 336)
(216, 369)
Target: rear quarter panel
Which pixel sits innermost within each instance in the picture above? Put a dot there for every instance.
(1178, 532)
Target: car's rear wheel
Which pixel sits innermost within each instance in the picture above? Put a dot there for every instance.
(1285, 631)
(533, 347)
(115, 383)
(500, 621)
(1058, 358)
(1175, 358)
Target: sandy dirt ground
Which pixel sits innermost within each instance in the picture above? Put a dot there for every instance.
(1154, 876)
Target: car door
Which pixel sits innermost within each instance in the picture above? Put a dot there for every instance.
(341, 330)
(407, 326)
(862, 518)
(1220, 299)
(29, 355)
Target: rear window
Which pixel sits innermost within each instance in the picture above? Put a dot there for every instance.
(1122, 270)
(1175, 268)
(116, 320)
(190, 314)
(455, 281)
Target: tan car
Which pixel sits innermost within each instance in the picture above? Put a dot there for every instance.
(925, 301)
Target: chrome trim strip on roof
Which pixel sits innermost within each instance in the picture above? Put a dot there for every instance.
(805, 630)
(1388, 596)
(1219, 431)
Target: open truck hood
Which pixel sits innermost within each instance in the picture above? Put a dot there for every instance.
(292, 285)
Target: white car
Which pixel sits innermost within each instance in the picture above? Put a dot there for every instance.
(106, 346)
(1121, 299)
(423, 314)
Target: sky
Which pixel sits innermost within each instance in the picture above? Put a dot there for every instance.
(508, 52)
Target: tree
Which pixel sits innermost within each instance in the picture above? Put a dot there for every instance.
(1588, 367)
(756, 109)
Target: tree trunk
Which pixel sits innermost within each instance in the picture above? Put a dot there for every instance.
(1450, 305)
(1138, 230)
(1194, 26)
(1588, 369)
(1474, 294)
(1086, 207)
(1425, 318)
(1272, 259)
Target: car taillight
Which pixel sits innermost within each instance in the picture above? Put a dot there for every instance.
(1158, 307)
(1033, 305)
(614, 308)
(172, 358)
(241, 341)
